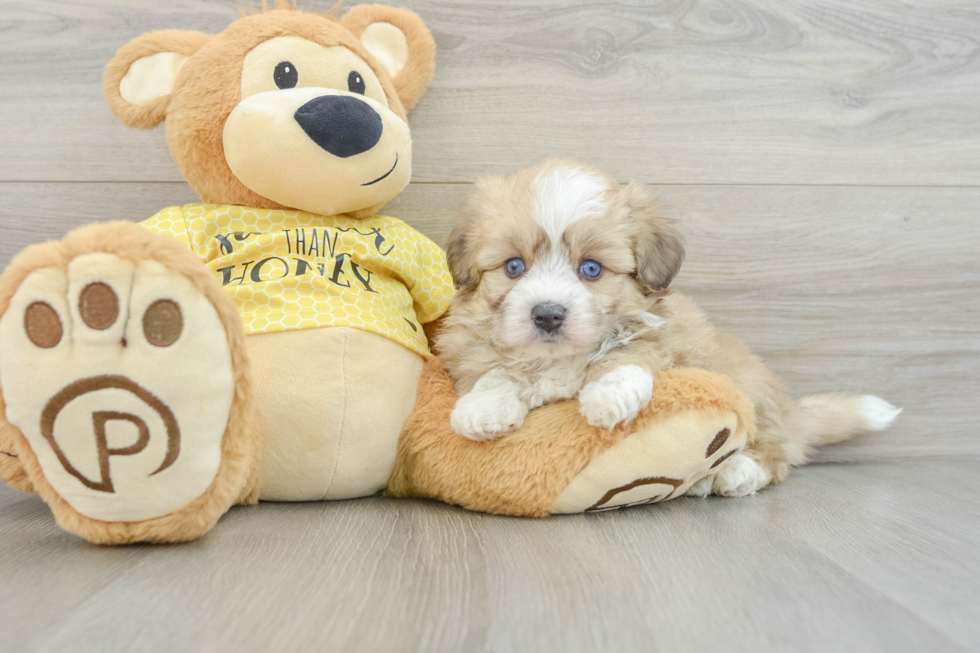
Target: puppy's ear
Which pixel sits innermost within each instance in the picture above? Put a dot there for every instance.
(139, 79)
(657, 246)
(401, 43)
(463, 244)
(461, 252)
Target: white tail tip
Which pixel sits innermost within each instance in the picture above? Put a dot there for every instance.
(877, 412)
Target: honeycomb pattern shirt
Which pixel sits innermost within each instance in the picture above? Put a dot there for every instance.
(290, 270)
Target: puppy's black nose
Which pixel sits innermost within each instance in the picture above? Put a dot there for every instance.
(548, 317)
(340, 124)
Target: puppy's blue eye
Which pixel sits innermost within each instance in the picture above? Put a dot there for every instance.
(590, 269)
(515, 267)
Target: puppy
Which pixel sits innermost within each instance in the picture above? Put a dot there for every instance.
(564, 280)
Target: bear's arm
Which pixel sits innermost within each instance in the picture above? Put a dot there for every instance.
(432, 286)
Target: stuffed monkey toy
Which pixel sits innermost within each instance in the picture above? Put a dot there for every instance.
(268, 342)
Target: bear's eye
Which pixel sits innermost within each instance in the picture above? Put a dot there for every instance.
(355, 83)
(286, 75)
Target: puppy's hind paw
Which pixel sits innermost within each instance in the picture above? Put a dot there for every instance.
(617, 397)
(487, 415)
(701, 489)
(740, 476)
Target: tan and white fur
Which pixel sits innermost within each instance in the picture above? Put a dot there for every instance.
(520, 335)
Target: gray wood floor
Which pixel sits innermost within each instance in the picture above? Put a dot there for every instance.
(824, 161)
(869, 557)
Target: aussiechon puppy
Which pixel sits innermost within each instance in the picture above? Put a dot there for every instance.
(564, 280)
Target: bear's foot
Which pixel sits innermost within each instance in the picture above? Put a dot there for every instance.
(657, 462)
(121, 367)
(557, 463)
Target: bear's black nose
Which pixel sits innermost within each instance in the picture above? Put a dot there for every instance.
(340, 124)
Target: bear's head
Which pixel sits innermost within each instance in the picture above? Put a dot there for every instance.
(284, 109)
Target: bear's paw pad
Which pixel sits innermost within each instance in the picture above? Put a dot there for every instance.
(119, 375)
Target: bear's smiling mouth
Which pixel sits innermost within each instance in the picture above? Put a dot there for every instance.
(385, 174)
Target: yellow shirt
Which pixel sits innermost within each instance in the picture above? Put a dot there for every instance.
(291, 270)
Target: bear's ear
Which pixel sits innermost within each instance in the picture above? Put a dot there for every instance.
(139, 79)
(401, 43)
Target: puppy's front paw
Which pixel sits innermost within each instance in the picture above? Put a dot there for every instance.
(487, 415)
(617, 397)
(740, 476)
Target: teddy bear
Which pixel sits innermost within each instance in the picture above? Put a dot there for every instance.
(270, 341)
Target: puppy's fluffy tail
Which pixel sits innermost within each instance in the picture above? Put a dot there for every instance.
(830, 418)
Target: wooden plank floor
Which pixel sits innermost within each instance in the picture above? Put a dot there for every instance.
(824, 162)
(880, 557)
